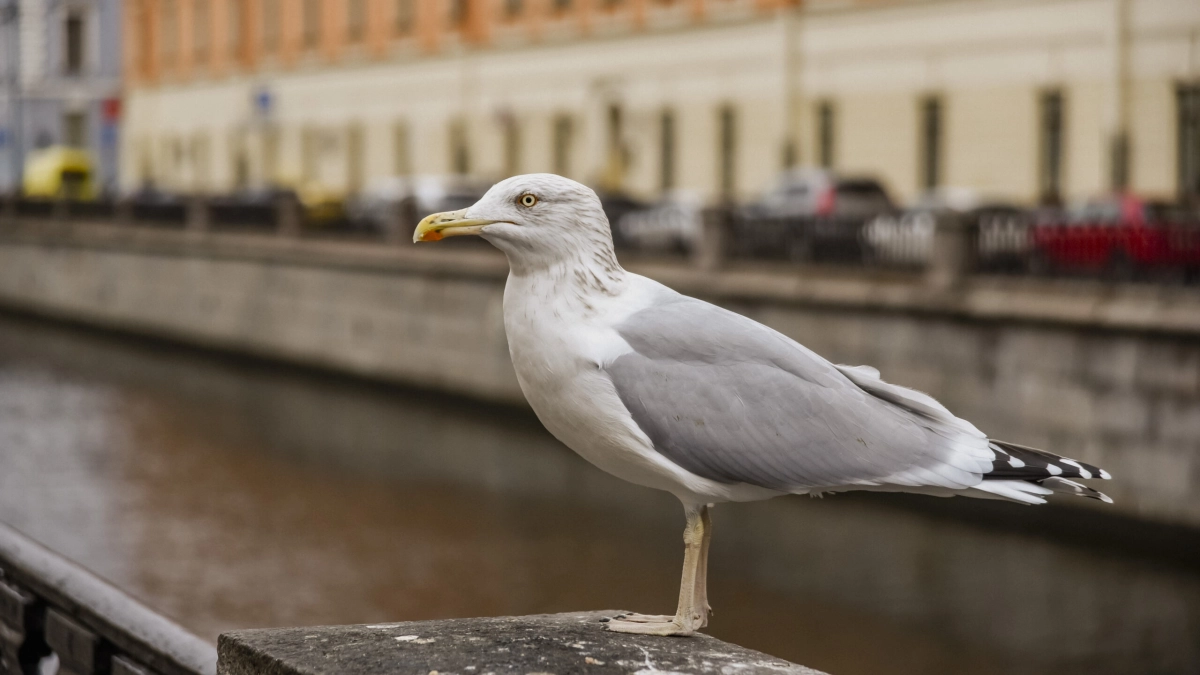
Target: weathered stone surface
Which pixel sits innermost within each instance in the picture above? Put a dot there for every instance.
(552, 643)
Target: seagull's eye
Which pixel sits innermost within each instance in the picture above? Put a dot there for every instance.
(527, 200)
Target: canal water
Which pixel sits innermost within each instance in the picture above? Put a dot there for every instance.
(228, 493)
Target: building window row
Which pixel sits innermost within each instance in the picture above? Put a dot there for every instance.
(161, 36)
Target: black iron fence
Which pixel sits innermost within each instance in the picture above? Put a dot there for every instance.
(999, 240)
(52, 610)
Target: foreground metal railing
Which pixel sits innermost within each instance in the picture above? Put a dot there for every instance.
(49, 606)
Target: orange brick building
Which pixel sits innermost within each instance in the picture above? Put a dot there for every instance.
(1021, 98)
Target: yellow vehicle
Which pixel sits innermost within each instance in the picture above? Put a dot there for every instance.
(322, 205)
(59, 172)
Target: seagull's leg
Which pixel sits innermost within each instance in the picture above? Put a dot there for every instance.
(702, 607)
(686, 620)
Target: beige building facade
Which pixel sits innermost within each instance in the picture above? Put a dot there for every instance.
(1031, 100)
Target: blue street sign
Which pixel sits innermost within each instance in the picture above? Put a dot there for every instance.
(262, 101)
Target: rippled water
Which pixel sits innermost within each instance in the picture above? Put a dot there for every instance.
(228, 493)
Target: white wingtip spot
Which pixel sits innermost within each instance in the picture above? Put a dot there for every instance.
(1015, 463)
(1053, 470)
(1105, 498)
(1105, 475)
(1083, 473)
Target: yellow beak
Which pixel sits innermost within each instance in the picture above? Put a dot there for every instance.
(449, 224)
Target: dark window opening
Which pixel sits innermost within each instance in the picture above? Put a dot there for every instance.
(931, 142)
(457, 14)
(404, 16)
(1187, 103)
(667, 148)
(562, 145)
(512, 146)
(460, 157)
(312, 22)
(74, 38)
(1051, 137)
(727, 142)
(270, 21)
(356, 19)
(825, 131)
(75, 129)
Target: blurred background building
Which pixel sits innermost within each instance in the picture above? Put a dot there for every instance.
(1030, 100)
(60, 70)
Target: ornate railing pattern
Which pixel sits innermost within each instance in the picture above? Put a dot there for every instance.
(49, 606)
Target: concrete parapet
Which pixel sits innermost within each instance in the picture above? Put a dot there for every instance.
(552, 643)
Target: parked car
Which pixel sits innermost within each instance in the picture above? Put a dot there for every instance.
(616, 205)
(413, 196)
(253, 207)
(673, 224)
(1122, 235)
(906, 238)
(811, 214)
(59, 172)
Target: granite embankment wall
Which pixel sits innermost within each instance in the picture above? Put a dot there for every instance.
(1108, 374)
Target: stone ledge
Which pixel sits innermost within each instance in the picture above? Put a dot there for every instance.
(550, 643)
(1084, 303)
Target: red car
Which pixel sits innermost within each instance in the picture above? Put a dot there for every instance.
(1123, 235)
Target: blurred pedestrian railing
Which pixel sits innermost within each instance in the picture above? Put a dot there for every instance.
(1000, 240)
(53, 610)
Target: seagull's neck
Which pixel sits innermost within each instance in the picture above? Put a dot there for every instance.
(582, 282)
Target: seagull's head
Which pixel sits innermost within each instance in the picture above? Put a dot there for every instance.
(537, 220)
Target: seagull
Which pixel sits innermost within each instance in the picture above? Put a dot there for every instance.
(671, 392)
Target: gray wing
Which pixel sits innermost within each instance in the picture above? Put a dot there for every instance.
(736, 402)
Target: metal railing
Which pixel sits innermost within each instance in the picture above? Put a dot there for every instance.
(992, 241)
(49, 606)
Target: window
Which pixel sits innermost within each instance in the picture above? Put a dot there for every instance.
(75, 129)
(666, 134)
(235, 30)
(727, 145)
(201, 22)
(356, 19)
(931, 142)
(1187, 102)
(355, 157)
(456, 12)
(563, 130)
(312, 22)
(401, 159)
(270, 23)
(73, 29)
(310, 146)
(614, 174)
(1050, 137)
(167, 40)
(199, 163)
(404, 16)
(825, 131)
(460, 157)
(512, 146)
